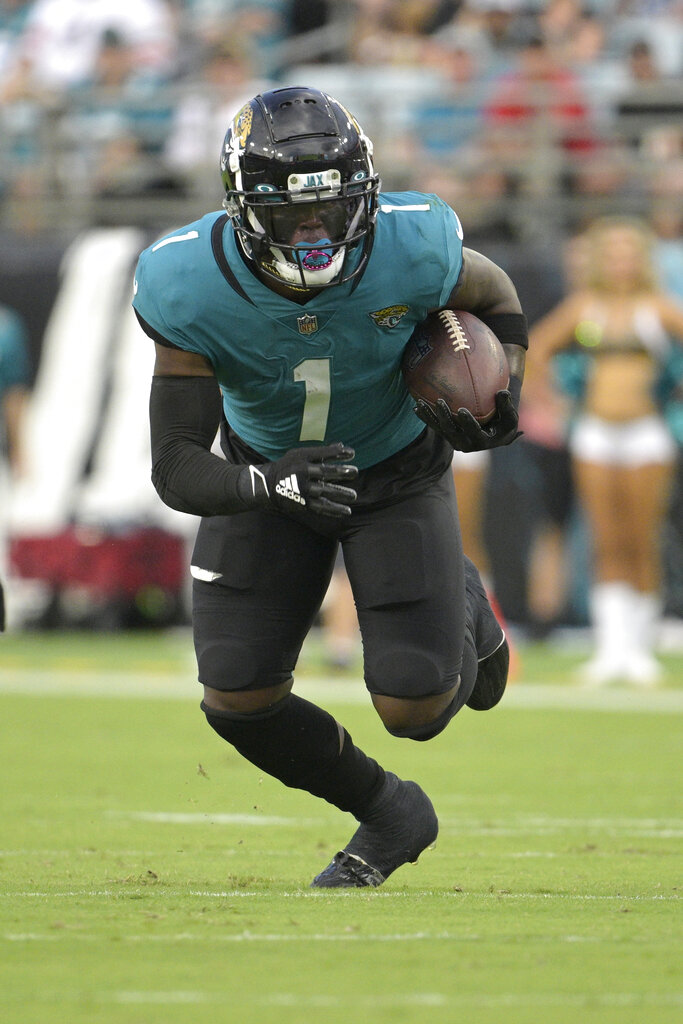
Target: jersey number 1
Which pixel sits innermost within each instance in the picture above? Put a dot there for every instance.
(315, 373)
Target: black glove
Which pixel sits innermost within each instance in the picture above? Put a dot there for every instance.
(463, 431)
(303, 477)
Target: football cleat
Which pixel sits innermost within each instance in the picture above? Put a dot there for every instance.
(347, 872)
(491, 679)
(493, 650)
(401, 824)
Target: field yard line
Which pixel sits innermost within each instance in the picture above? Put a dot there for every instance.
(348, 999)
(503, 999)
(187, 818)
(399, 999)
(527, 823)
(282, 999)
(316, 894)
(173, 686)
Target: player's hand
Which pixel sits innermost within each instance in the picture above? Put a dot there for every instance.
(463, 431)
(312, 478)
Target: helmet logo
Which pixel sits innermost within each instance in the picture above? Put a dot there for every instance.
(242, 124)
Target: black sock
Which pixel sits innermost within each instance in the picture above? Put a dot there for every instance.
(298, 743)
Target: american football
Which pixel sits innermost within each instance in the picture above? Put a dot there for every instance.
(453, 355)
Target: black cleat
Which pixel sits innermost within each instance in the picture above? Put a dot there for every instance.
(493, 650)
(400, 826)
(347, 872)
(492, 678)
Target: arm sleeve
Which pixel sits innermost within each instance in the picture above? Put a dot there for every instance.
(185, 413)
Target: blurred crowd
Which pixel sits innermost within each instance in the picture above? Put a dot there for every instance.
(526, 113)
(531, 117)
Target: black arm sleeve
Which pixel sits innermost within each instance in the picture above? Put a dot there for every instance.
(185, 413)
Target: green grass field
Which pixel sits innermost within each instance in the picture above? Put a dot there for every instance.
(149, 875)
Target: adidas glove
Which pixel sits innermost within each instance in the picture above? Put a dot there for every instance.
(310, 477)
(464, 432)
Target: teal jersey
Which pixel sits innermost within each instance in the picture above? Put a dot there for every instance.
(325, 371)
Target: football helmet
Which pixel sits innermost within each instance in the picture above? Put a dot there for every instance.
(301, 190)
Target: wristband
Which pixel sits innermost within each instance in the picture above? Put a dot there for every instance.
(509, 328)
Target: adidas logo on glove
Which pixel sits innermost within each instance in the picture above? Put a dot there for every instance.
(289, 488)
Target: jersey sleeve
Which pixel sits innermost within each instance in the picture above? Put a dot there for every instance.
(422, 236)
(148, 290)
(167, 286)
(453, 235)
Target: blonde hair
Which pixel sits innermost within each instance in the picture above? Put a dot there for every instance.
(594, 236)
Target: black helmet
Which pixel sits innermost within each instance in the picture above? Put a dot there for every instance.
(293, 148)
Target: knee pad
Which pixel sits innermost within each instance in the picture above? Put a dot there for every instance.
(228, 666)
(407, 673)
(429, 730)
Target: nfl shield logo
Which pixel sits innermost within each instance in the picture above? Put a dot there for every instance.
(308, 323)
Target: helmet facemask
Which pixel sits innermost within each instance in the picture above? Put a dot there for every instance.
(301, 190)
(310, 238)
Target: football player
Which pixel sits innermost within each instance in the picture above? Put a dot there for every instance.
(283, 319)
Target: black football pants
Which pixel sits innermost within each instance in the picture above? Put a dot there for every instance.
(404, 562)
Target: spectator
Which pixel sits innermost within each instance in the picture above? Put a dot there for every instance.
(618, 332)
(15, 375)
(659, 22)
(450, 116)
(13, 15)
(499, 23)
(116, 121)
(258, 23)
(544, 418)
(390, 33)
(666, 219)
(62, 38)
(539, 104)
(650, 105)
(225, 82)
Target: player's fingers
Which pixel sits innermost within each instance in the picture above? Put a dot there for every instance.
(331, 472)
(338, 471)
(468, 424)
(423, 412)
(504, 405)
(337, 452)
(333, 491)
(445, 417)
(323, 506)
(346, 495)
